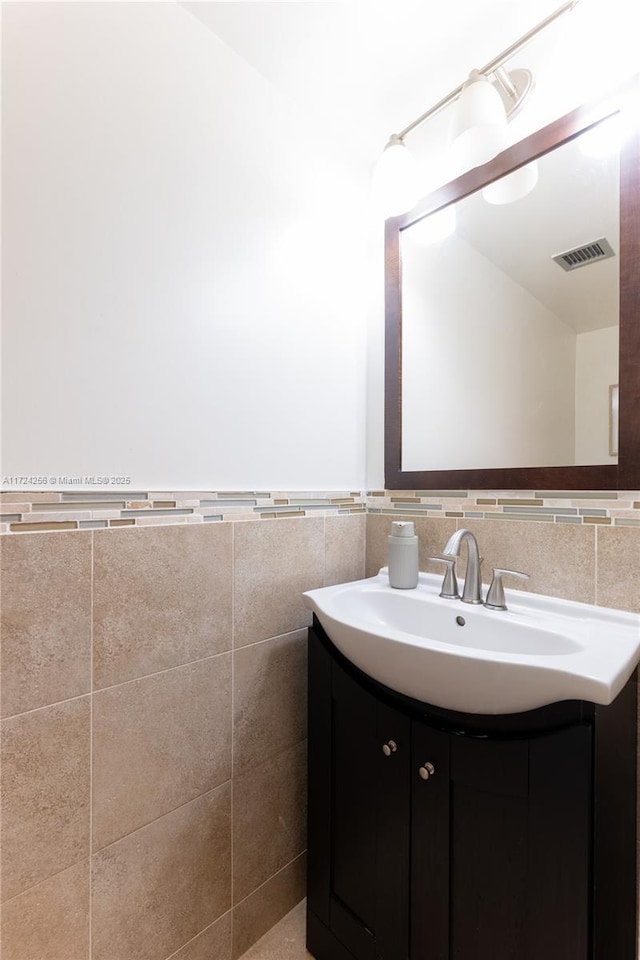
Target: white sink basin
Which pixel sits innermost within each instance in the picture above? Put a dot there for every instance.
(541, 650)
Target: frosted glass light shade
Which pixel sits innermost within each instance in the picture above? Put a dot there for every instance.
(478, 127)
(395, 180)
(514, 186)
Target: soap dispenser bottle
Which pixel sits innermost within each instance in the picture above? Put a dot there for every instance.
(403, 555)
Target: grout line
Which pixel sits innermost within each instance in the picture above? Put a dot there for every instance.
(324, 551)
(1, 784)
(199, 934)
(51, 876)
(267, 757)
(46, 706)
(158, 673)
(269, 879)
(364, 545)
(145, 676)
(91, 760)
(231, 719)
(278, 636)
(595, 564)
(167, 813)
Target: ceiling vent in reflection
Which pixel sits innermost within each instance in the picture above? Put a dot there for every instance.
(582, 256)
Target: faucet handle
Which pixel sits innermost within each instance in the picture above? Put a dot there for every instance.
(495, 596)
(449, 589)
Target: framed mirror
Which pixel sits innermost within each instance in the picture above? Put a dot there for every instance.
(509, 317)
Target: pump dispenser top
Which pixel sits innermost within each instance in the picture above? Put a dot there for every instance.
(403, 555)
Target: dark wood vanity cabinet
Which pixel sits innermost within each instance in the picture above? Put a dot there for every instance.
(505, 825)
(443, 836)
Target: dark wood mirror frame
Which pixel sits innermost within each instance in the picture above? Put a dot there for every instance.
(625, 475)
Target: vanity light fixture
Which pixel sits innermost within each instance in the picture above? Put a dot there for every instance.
(479, 122)
(512, 187)
(484, 104)
(395, 178)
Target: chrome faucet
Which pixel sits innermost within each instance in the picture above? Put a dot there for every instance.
(472, 592)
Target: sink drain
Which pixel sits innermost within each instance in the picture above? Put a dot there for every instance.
(460, 621)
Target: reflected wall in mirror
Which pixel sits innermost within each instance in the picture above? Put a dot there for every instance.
(498, 360)
(497, 329)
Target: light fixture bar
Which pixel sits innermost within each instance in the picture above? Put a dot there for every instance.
(490, 67)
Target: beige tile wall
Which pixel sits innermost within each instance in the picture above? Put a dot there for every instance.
(153, 733)
(153, 705)
(585, 562)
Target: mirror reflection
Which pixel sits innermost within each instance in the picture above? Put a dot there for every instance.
(510, 319)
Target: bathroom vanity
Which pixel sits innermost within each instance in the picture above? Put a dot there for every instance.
(441, 835)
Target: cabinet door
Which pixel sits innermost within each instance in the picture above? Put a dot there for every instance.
(430, 844)
(393, 838)
(561, 845)
(370, 837)
(500, 848)
(489, 807)
(359, 797)
(354, 777)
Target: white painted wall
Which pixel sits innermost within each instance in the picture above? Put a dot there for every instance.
(596, 370)
(465, 404)
(184, 261)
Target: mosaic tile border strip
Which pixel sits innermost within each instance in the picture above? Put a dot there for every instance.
(603, 507)
(30, 512)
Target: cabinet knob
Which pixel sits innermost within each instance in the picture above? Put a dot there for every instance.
(427, 771)
(389, 747)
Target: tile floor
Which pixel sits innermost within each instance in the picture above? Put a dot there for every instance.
(285, 941)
